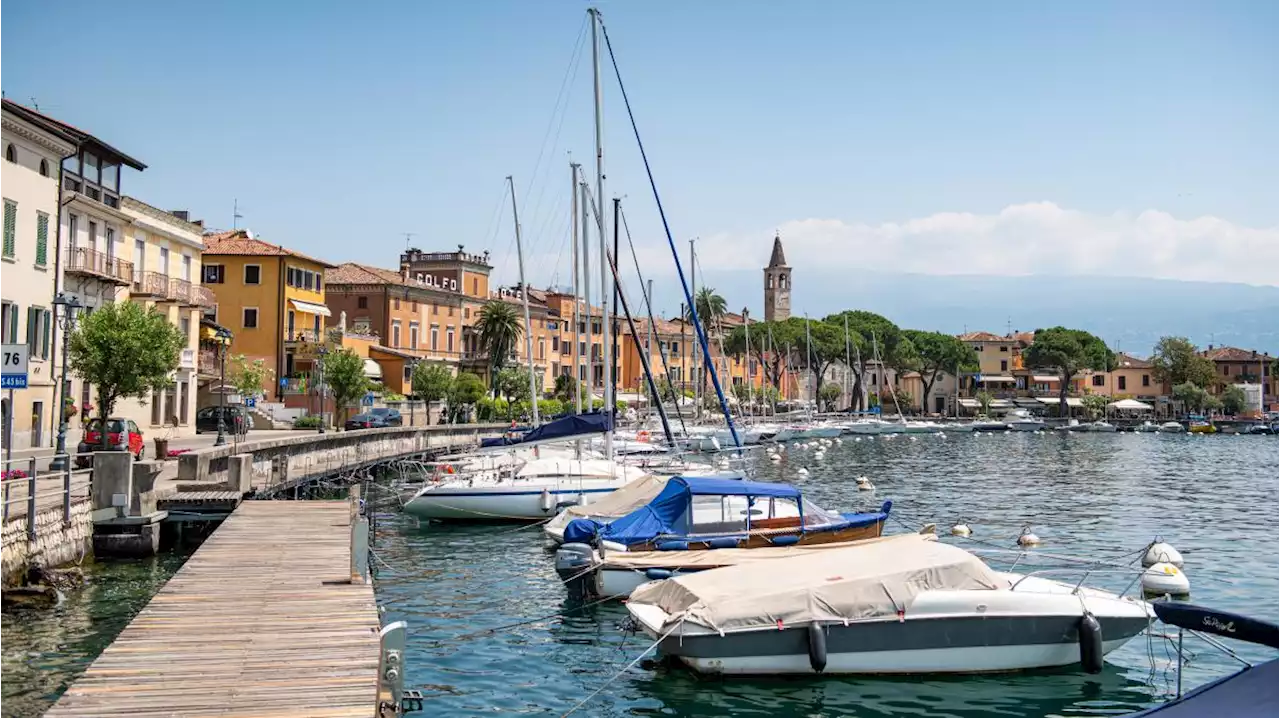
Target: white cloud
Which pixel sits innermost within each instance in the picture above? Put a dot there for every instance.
(1022, 239)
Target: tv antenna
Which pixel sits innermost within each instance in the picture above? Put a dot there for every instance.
(235, 214)
(408, 238)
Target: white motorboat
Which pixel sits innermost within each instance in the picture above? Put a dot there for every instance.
(1172, 427)
(1101, 427)
(865, 427)
(821, 431)
(922, 427)
(880, 608)
(988, 425)
(536, 490)
(1022, 420)
(1146, 427)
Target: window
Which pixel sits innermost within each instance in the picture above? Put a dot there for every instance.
(1146, 380)
(582, 349)
(213, 273)
(39, 321)
(1004, 365)
(475, 286)
(186, 267)
(1099, 380)
(362, 302)
(1120, 382)
(450, 310)
(769, 282)
(72, 222)
(184, 326)
(395, 303)
(1004, 349)
(10, 222)
(542, 348)
(11, 153)
(289, 332)
(315, 326)
(42, 239)
(435, 309)
(413, 306)
(252, 273)
(1226, 370)
(449, 340)
(8, 322)
(250, 319)
(555, 344)
(93, 236)
(44, 168)
(109, 238)
(466, 312)
(435, 337)
(413, 335)
(164, 261)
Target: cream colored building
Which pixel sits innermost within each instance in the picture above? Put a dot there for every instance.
(29, 268)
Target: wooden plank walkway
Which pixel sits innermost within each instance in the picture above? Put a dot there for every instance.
(261, 621)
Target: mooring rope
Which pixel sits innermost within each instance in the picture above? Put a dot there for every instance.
(624, 669)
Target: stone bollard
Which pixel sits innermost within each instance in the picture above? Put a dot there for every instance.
(112, 483)
(145, 474)
(240, 473)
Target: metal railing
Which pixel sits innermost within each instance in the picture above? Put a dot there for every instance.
(180, 291)
(31, 488)
(203, 297)
(82, 260)
(207, 364)
(150, 284)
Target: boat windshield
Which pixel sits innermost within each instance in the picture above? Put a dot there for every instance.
(729, 514)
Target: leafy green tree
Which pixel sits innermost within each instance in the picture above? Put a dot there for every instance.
(1175, 360)
(563, 390)
(1234, 400)
(513, 383)
(873, 333)
(829, 394)
(984, 399)
(467, 389)
(1067, 351)
(936, 352)
(1192, 397)
(124, 351)
(499, 328)
(711, 309)
(248, 375)
(344, 375)
(1094, 405)
(778, 335)
(432, 381)
(818, 348)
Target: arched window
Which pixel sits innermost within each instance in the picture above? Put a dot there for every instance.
(782, 281)
(44, 168)
(768, 282)
(11, 153)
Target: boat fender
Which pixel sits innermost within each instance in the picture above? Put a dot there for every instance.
(673, 545)
(1165, 579)
(723, 542)
(817, 648)
(786, 540)
(1161, 552)
(657, 574)
(1090, 644)
(546, 502)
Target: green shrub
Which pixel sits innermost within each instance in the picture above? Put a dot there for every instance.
(306, 422)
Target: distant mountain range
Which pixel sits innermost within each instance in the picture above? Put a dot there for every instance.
(1130, 314)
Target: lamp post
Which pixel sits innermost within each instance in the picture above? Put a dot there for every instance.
(224, 338)
(320, 387)
(66, 322)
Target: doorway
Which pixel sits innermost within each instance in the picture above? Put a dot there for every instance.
(37, 423)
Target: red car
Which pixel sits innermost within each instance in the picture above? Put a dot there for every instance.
(116, 437)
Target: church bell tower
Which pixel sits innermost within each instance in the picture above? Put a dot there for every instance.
(777, 285)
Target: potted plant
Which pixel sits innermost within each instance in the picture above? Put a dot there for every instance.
(162, 441)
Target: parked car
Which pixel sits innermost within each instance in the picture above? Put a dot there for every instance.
(390, 417)
(122, 435)
(235, 419)
(363, 421)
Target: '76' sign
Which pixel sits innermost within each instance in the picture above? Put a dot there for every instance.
(14, 366)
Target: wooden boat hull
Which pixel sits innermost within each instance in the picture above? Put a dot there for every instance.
(769, 537)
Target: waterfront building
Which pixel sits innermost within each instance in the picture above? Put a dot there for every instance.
(34, 149)
(1132, 378)
(1233, 365)
(271, 298)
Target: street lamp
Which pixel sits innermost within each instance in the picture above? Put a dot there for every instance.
(67, 323)
(224, 338)
(320, 387)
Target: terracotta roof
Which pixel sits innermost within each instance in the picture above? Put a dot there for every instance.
(393, 352)
(1025, 337)
(239, 242)
(1234, 354)
(71, 132)
(983, 337)
(777, 258)
(1128, 361)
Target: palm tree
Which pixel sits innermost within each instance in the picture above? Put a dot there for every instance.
(500, 329)
(711, 308)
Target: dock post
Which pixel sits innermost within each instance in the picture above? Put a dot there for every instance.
(391, 640)
(359, 539)
(66, 493)
(31, 500)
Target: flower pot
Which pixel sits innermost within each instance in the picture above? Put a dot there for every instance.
(162, 449)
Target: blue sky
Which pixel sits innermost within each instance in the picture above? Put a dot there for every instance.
(995, 137)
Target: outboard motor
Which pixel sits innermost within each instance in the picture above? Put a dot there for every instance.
(573, 565)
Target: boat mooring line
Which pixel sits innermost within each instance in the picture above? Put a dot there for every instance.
(539, 619)
(625, 668)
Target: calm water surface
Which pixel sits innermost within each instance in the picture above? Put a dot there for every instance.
(1214, 498)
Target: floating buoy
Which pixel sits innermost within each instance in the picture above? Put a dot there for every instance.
(941, 435)
(961, 529)
(802, 471)
(1090, 644)
(1027, 538)
(817, 648)
(1165, 578)
(1161, 552)
(839, 440)
(857, 438)
(820, 455)
(774, 457)
(868, 486)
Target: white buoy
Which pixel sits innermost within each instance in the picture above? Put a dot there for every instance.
(774, 457)
(866, 486)
(961, 529)
(839, 440)
(1161, 552)
(941, 435)
(857, 438)
(802, 471)
(819, 455)
(1027, 538)
(914, 438)
(1165, 578)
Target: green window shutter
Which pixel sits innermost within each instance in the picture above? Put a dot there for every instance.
(42, 239)
(10, 220)
(33, 322)
(46, 327)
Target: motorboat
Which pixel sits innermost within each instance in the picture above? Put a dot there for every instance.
(989, 425)
(590, 572)
(1249, 692)
(626, 499)
(922, 427)
(537, 490)
(1147, 427)
(1172, 427)
(881, 608)
(1101, 427)
(699, 513)
(1201, 425)
(1022, 420)
(821, 431)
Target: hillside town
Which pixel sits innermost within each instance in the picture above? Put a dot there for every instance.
(74, 241)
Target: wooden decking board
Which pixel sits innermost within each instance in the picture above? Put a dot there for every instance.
(259, 622)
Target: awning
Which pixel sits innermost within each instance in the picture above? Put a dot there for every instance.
(996, 379)
(1129, 405)
(970, 403)
(1051, 401)
(1044, 378)
(372, 369)
(311, 307)
(1026, 403)
(1001, 404)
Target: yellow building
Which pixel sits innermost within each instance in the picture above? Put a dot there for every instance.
(270, 298)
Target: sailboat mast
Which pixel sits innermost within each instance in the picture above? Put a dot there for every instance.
(606, 347)
(577, 335)
(808, 360)
(847, 363)
(746, 329)
(694, 375)
(586, 289)
(524, 295)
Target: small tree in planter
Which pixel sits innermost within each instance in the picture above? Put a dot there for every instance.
(344, 374)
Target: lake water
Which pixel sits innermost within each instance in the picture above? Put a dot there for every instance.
(1214, 498)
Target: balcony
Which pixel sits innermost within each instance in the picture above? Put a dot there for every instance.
(91, 263)
(151, 284)
(203, 297)
(207, 363)
(180, 292)
(302, 336)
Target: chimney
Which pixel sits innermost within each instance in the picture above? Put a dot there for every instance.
(181, 214)
(1255, 353)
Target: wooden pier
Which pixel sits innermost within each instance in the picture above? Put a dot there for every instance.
(263, 620)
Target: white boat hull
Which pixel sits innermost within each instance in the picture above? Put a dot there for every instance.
(1026, 426)
(509, 501)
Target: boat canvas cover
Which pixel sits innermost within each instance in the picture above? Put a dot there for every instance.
(641, 560)
(669, 513)
(855, 583)
(586, 468)
(623, 501)
(564, 428)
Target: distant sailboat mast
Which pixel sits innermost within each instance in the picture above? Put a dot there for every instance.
(524, 294)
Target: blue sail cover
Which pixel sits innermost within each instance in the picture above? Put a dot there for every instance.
(565, 428)
(668, 513)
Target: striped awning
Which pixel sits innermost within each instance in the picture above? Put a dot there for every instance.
(996, 379)
(311, 307)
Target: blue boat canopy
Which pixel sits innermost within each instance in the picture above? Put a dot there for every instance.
(563, 428)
